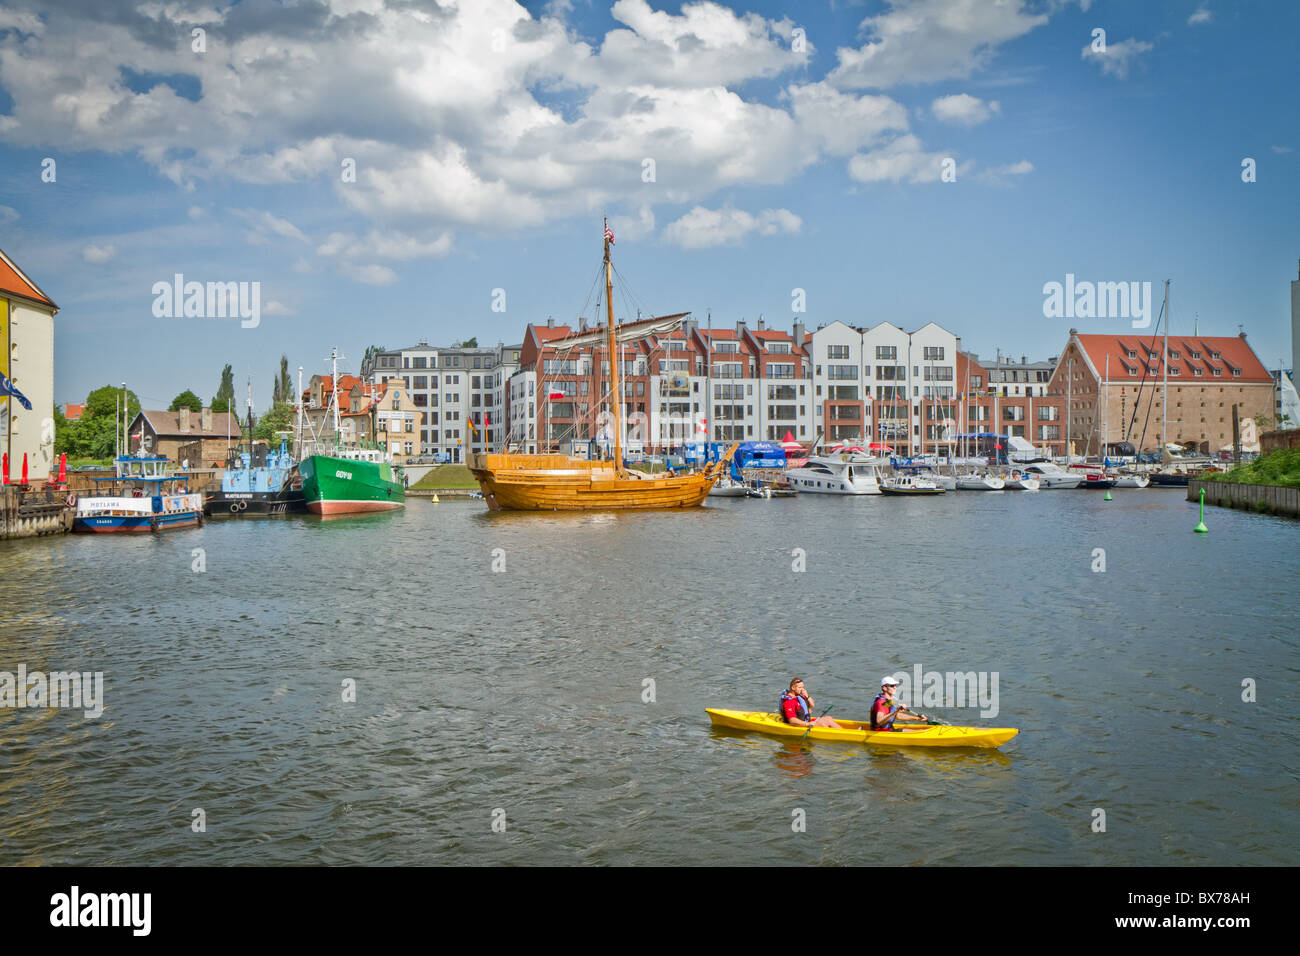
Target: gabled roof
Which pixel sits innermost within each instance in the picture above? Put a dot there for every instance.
(1234, 353)
(73, 411)
(14, 282)
(167, 424)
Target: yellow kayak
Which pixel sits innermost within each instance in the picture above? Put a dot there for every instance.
(859, 732)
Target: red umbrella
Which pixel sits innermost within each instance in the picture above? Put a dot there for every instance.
(63, 468)
(24, 468)
(877, 446)
(6, 468)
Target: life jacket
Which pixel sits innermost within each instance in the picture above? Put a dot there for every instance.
(887, 725)
(804, 712)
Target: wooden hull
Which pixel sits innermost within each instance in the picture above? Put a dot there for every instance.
(558, 483)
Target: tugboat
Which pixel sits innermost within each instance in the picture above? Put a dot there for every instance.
(142, 497)
(258, 482)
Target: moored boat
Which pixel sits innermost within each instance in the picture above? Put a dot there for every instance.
(548, 482)
(1131, 480)
(910, 485)
(1019, 481)
(1052, 476)
(258, 482)
(351, 481)
(841, 473)
(974, 481)
(143, 496)
(860, 732)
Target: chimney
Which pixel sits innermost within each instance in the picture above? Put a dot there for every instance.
(550, 322)
(1024, 360)
(205, 417)
(1243, 335)
(183, 419)
(799, 333)
(740, 328)
(761, 325)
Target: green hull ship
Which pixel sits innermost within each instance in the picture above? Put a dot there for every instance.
(344, 485)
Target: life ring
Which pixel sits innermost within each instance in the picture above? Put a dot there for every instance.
(137, 493)
(71, 500)
(234, 507)
(243, 506)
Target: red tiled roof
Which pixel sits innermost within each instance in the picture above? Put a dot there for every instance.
(72, 411)
(1233, 350)
(14, 282)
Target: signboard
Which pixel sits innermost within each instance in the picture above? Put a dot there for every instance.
(677, 383)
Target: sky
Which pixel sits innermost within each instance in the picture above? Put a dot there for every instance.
(395, 171)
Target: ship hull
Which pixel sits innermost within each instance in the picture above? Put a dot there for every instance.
(334, 486)
(557, 483)
(254, 503)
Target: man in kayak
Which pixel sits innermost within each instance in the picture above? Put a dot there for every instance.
(885, 710)
(796, 708)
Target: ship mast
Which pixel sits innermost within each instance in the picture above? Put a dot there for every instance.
(614, 357)
(1164, 398)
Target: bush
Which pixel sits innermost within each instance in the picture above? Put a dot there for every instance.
(1279, 468)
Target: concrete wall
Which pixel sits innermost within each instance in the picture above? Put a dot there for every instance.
(1270, 499)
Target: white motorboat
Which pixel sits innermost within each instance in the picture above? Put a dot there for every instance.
(1123, 480)
(979, 482)
(1016, 481)
(729, 488)
(1052, 476)
(910, 485)
(842, 474)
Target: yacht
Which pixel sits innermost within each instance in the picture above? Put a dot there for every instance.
(1020, 481)
(836, 474)
(910, 485)
(974, 481)
(1052, 476)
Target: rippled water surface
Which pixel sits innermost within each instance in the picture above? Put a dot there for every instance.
(521, 690)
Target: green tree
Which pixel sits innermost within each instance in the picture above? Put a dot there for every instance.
(278, 419)
(94, 435)
(283, 390)
(225, 397)
(471, 343)
(188, 399)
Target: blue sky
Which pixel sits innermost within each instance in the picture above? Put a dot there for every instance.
(491, 138)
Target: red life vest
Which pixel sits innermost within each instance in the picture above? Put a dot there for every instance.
(801, 709)
(881, 706)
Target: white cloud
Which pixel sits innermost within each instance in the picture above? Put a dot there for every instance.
(276, 308)
(9, 215)
(903, 160)
(996, 175)
(196, 213)
(265, 225)
(1281, 150)
(841, 123)
(1118, 58)
(98, 255)
(1202, 15)
(386, 245)
(369, 274)
(701, 228)
(626, 227)
(964, 109)
(923, 41)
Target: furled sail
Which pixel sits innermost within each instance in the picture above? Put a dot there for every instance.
(627, 332)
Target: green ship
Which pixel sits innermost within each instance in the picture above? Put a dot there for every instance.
(361, 482)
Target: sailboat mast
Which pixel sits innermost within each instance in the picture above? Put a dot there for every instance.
(614, 357)
(1164, 399)
(334, 390)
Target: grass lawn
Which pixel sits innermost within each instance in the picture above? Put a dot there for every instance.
(446, 476)
(1279, 468)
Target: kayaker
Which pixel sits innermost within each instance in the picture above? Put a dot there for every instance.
(885, 710)
(796, 708)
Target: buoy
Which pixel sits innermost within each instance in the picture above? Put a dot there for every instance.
(1200, 527)
(1107, 498)
(435, 499)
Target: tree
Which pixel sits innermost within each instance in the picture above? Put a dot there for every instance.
(225, 397)
(471, 343)
(94, 435)
(371, 352)
(278, 419)
(187, 399)
(283, 390)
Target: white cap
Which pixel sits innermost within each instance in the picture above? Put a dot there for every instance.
(887, 680)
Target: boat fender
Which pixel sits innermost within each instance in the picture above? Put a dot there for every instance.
(153, 523)
(234, 507)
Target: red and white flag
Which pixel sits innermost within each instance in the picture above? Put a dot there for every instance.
(609, 235)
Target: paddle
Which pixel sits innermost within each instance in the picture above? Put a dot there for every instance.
(815, 719)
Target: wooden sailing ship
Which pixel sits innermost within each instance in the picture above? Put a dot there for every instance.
(550, 482)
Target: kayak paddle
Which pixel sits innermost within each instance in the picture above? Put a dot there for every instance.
(817, 718)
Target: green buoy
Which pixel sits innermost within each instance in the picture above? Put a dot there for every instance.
(1107, 498)
(1200, 528)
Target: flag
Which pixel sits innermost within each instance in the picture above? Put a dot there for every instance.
(7, 388)
(471, 425)
(609, 235)
(487, 419)
(552, 396)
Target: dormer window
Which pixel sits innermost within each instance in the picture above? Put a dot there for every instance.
(1173, 354)
(1197, 372)
(1236, 373)
(1132, 354)
(1175, 370)
(1196, 355)
(1218, 372)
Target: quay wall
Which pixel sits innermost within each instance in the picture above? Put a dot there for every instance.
(1269, 499)
(32, 513)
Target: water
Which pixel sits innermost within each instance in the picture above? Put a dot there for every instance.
(520, 692)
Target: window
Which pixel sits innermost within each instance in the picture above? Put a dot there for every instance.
(781, 348)
(932, 353)
(942, 373)
(1013, 413)
(842, 372)
(886, 353)
(837, 351)
(728, 347)
(1048, 413)
(787, 371)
